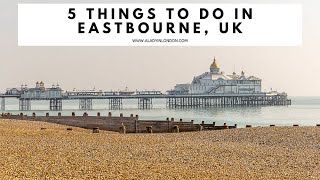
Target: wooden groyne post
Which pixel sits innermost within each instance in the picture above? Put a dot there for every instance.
(149, 129)
(136, 124)
(175, 129)
(122, 129)
(225, 126)
(95, 130)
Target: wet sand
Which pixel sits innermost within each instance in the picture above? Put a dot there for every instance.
(26, 151)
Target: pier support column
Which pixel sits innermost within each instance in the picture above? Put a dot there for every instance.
(115, 103)
(55, 104)
(144, 103)
(85, 104)
(3, 104)
(168, 102)
(24, 104)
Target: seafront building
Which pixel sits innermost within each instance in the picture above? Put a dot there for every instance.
(216, 82)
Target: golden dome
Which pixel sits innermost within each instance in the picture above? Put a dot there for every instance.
(214, 65)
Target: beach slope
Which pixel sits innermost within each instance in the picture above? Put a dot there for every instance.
(38, 150)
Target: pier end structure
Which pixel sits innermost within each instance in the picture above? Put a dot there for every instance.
(214, 88)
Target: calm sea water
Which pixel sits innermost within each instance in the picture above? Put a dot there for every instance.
(303, 111)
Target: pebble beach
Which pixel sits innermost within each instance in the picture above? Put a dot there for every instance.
(39, 150)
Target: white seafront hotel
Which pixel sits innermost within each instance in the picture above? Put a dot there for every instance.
(216, 82)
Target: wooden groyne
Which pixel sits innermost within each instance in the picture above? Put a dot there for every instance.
(121, 124)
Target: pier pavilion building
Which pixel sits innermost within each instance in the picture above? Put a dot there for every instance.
(216, 82)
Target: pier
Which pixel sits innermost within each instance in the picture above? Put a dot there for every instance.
(210, 89)
(172, 101)
(55, 96)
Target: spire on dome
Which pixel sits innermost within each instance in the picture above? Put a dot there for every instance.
(214, 64)
(214, 67)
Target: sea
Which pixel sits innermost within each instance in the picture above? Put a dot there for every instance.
(304, 111)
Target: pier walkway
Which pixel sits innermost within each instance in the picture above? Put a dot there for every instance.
(145, 98)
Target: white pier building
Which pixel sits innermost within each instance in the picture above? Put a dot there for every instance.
(216, 82)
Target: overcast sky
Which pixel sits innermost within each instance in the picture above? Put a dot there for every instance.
(294, 70)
